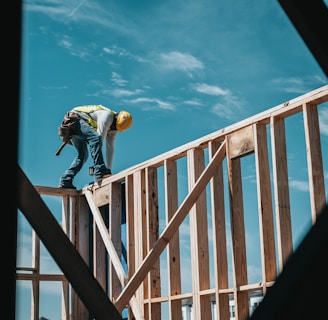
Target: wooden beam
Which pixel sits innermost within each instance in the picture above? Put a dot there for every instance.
(264, 204)
(152, 226)
(299, 287)
(238, 235)
(219, 238)
(62, 250)
(199, 238)
(281, 189)
(173, 251)
(314, 159)
(115, 259)
(171, 228)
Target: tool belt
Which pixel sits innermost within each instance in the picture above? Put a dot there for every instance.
(67, 129)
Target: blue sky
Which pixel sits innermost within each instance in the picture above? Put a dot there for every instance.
(183, 69)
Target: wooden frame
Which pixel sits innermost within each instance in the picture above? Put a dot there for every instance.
(213, 162)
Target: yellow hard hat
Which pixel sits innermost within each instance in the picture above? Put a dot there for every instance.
(123, 121)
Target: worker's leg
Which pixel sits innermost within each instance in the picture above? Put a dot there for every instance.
(94, 141)
(66, 180)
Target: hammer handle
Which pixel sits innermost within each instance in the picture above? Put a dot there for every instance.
(61, 148)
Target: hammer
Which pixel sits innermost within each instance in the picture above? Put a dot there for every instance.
(61, 147)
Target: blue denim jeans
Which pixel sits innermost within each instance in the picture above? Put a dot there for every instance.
(85, 137)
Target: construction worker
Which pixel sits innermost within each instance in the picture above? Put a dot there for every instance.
(95, 125)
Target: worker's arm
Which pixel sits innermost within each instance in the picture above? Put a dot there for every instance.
(110, 146)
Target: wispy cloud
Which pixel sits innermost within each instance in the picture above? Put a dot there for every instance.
(298, 85)
(122, 93)
(77, 11)
(151, 103)
(302, 186)
(323, 121)
(211, 90)
(49, 8)
(193, 102)
(75, 50)
(76, 8)
(117, 79)
(54, 88)
(180, 61)
(230, 108)
(121, 52)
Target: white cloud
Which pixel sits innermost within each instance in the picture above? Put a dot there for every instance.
(211, 90)
(77, 7)
(298, 85)
(222, 111)
(121, 52)
(117, 79)
(323, 121)
(194, 102)
(151, 103)
(123, 93)
(302, 186)
(230, 108)
(77, 51)
(180, 61)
